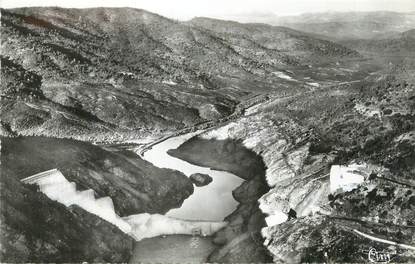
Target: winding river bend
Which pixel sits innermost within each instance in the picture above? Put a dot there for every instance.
(212, 202)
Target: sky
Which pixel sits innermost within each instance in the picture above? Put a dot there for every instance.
(186, 9)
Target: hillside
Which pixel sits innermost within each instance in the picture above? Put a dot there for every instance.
(37, 229)
(135, 185)
(119, 73)
(397, 43)
(251, 37)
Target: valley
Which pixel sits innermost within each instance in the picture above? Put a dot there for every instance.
(214, 140)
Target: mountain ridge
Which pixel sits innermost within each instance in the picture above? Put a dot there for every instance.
(133, 70)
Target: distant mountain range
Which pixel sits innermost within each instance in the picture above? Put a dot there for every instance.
(339, 25)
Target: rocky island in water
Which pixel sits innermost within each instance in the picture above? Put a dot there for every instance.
(127, 136)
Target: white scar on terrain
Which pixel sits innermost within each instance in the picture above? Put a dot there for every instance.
(54, 185)
(347, 178)
(284, 76)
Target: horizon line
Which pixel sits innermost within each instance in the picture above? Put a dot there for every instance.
(216, 16)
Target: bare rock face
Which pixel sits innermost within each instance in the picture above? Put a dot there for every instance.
(328, 196)
(296, 184)
(200, 179)
(314, 213)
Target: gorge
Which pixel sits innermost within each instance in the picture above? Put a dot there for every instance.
(205, 140)
(203, 210)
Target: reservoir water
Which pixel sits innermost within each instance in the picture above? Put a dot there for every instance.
(212, 202)
(173, 249)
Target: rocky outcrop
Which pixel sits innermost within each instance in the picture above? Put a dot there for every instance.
(240, 240)
(226, 155)
(200, 179)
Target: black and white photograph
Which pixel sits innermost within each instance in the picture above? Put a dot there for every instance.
(207, 131)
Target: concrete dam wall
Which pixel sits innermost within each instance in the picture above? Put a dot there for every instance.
(54, 184)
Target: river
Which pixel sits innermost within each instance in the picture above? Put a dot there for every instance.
(212, 202)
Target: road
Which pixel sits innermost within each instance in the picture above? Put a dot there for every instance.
(381, 240)
(241, 109)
